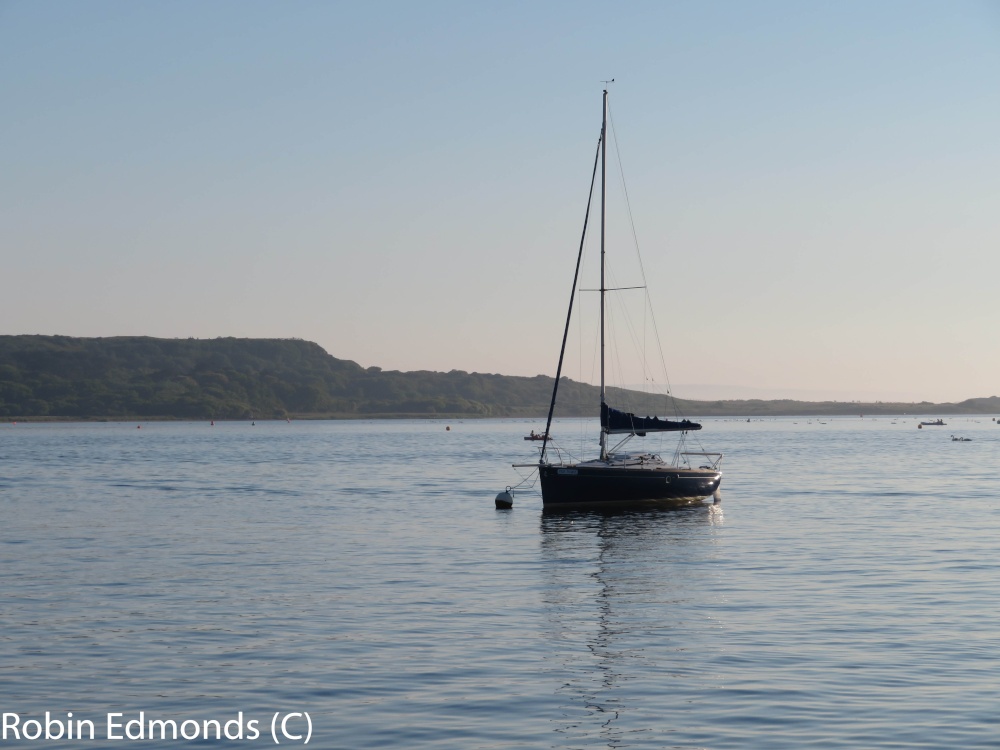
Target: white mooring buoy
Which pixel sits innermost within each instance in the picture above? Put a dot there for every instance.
(505, 499)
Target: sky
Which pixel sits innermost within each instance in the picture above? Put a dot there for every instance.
(814, 187)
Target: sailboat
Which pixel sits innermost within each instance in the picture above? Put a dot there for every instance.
(616, 477)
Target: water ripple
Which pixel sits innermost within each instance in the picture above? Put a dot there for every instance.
(840, 597)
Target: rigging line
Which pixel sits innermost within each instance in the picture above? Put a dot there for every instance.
(663, 360)
(612, 312)
(572, 295)
(584, 433)
(645, 362)
(637, 345)
(595, 354)
(642, 270)
(611, 341)
(584, 376)
(624, 398)
(628, 203)
(618, 373)
(635, 238)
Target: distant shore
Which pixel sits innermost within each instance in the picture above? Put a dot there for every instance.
(130, 378)
(709, 410)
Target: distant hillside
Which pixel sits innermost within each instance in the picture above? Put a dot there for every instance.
(47, 376)
(227, 378)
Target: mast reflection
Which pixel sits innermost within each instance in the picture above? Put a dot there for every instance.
(613, 590)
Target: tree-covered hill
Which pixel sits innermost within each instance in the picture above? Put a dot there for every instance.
(228, 378)
(130, 376)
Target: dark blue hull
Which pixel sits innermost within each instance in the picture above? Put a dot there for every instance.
(611, 485)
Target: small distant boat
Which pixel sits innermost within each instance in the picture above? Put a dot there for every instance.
(536, 436)
(957, 439)
(935, 423)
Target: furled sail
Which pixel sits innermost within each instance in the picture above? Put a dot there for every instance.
(615, 421)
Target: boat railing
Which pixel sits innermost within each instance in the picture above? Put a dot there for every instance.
(553, 456)
(553, 448)
(714, 463)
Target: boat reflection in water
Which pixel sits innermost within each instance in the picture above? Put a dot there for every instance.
(624, 595)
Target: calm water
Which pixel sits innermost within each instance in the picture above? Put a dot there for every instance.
(844, 595)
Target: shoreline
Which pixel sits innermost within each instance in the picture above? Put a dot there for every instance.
(935, 410)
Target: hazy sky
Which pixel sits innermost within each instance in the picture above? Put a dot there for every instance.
(815, 185)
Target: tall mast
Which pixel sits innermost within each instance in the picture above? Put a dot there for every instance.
(604, 172)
